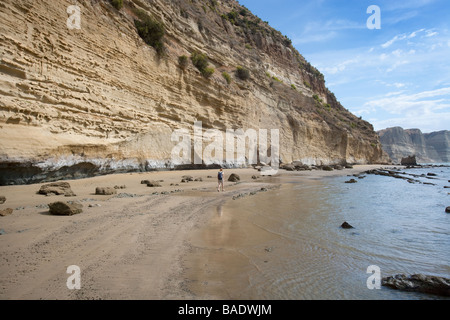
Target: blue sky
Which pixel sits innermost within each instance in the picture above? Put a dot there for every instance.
(398, 75)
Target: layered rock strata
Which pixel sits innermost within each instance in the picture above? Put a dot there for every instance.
(75, 102)
(428, 148)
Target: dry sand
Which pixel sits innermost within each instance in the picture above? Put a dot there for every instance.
(143, 246)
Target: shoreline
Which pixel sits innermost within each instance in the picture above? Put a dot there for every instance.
(132, 245)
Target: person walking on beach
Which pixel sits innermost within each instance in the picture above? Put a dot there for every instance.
(220, 178)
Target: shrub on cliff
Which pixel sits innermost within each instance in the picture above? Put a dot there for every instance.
(151, 31)
(242, 73)
(200, 61)
(227, 77)
(183, 62)
(118, 4)
(208, 72)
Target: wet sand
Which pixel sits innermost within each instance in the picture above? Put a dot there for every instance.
(136, 244)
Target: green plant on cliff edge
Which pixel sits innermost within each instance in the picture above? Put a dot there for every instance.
(183, 62)
(227, 77)
(151, 31)
(200, 61)
(118, 4)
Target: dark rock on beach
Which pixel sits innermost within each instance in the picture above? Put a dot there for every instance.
(154, 184)
(409, 161)
(6, 212)
(346, 225)
(105, 191)
(64, 208)
(447, 209)
(57, 188)
(234, 178)
(2, 199)
(288, 167)
(187, 178)
(419, 283)
(351, 181)
(295, 166)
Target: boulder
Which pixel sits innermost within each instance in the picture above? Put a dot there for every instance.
(419, 283)
(346, 225)
(2, 199)
(409, 161)
(145, 181)
(187, 178)
(154, 184)
(303, 167)
(64, 208)
(58, 188)
(297, 163)
(447, 209)
(327, 168)
(351, 181)
(289, 167)
(234, 178)
(6, 212)
(105, 191)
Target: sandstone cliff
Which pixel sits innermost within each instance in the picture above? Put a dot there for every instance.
(98, 99)
(428, 148)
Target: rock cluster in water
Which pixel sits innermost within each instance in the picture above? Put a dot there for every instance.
(419, 283)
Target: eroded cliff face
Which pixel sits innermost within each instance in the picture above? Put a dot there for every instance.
(99, 99)
(428, 148)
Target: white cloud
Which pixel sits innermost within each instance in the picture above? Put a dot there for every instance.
(410, 4)
(390, 42)
(397, 53)
(400, 37)
(318, 37)
(414, 34)
(399, 85)
(340, 67)
(426, 123)
(395, 93)
(396, 65)
(414, 104)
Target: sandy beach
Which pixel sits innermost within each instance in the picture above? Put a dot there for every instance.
(135, 244)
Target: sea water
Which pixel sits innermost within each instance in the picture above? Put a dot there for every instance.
(399, 227)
